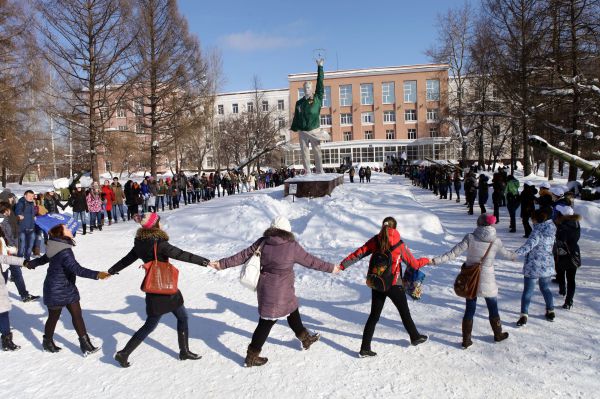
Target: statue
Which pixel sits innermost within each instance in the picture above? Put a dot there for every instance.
(307, 121)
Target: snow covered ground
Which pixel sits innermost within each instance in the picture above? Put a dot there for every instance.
(543, 359)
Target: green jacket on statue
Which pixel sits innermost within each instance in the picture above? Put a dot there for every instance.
(307, 113)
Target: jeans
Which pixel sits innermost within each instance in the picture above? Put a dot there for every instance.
(95, 219)
(80, 216)
(264, 328)
(26, 241)
(529, 285)
(4, 323)
(159, 199)
(185, 198)
(492, 305)
(120, 208)
(152, 322)
(457, 191)
(17, 276)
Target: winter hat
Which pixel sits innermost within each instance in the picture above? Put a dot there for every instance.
(545, 185)
(565, 210)
(486, 220)
(558, 191)
(78, 185)
(148, 221)
(282, 223)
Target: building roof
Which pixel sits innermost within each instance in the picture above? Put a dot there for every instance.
(349, 73)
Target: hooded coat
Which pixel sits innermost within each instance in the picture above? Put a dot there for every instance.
(566, 247)
(476, 244)
(143, 248)
(539, 261)
(59, 285)
(275, 291)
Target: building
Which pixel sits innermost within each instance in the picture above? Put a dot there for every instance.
(378, 113)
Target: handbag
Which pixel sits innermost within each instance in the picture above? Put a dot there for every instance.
(251, 270)
(161, 277)
(412, 281)
(467, 281)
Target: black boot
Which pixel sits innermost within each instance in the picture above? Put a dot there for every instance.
(184, 349)
(419, 340)
(497, 329)
(84, 229)
(8, 344)
(467, 328)
(92, 228)
(49, 345)
(122, 356)
(252, 358)
(307, 338)
(86, 345)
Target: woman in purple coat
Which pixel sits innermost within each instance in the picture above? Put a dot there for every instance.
(275, 291)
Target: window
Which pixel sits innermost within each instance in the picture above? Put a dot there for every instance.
(390, 134)
(432, 114)
(389, 116)
(369, 135)
(220, 109)
(281, 122)
(367, 118)
(347, 136)
(326, 97)
(378, 154)
(410, 115)
(123, 128)
(208, 145)
(346, 119)
(412, 134)
(387, 93)
(280, 105)
(326, 120)
(345, 154)
(121, 110)
(250, 107)
(234, 108)
(210, 163)
(410, 91)
(265, 106)
(138, 107)
(433, 132)
(366, 93)
(104, 113)
(433, 90)
(300, 93)
(221, 125)
(139, 128)
(368, 154)
(345, 95)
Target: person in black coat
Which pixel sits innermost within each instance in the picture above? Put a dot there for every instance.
(566, 251)
(483, 191)
(527, 206)
(78, 202)
(60, 289)
(498, 186)
(470, 191)
(147, 237)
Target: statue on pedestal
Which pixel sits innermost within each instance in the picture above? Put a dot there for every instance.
(307, 121)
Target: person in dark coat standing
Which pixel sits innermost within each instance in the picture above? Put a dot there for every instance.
(527, 206)
(275, 291)
(566, 251)
(150, 241)
(387, 238)
(456, 180)
(78, 202)
(470, 191)
(60, 289)
(513, 201)
(483, 192)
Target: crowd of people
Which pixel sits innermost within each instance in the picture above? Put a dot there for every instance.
(551, 248)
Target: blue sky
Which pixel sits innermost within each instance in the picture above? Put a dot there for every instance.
(270, 39)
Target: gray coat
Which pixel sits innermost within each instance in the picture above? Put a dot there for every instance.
(275, 291)
(6, 260)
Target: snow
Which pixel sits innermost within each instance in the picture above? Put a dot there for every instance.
(541, 360)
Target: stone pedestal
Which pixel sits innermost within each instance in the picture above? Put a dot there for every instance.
(316, 185)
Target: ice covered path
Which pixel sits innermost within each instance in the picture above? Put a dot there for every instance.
(542, 360)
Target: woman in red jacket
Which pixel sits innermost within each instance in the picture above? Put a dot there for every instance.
(388, 238)
(109, 197)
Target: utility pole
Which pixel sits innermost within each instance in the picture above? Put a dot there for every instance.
(70, 150)
(52, 145)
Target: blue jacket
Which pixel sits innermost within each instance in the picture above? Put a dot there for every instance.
(27, 210)
(59, 285)
(539, 261)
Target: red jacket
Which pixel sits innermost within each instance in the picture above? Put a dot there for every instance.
(400, 253)
(109, 195)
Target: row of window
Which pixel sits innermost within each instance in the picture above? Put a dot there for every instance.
(235, 109)
(388, 94)
(281, 123)
(390, 134)
(368, 118)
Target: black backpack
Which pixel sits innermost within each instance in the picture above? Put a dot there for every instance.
(380, 276)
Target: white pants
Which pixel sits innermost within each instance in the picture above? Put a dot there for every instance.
(313, 138)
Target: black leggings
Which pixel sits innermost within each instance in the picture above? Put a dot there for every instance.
(76, 316)
(398, 297)
(264, 328)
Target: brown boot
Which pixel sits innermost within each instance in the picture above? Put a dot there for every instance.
(307, 339)
(497, 328)
(467, 327)
(252, 358)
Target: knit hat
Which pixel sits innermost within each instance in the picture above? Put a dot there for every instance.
(282, 223)
(545, 185)
(558, 191)
(565, 210)
(486, 220)
(149, 220)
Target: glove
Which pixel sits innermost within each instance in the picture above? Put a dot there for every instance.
(103, 275)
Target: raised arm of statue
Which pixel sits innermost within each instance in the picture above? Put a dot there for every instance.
(320, 75)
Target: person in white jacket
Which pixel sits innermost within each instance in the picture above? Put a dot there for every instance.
(5, 260)
(477, 244)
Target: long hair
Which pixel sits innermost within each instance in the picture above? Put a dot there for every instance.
(384, 240)
(57, 231)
